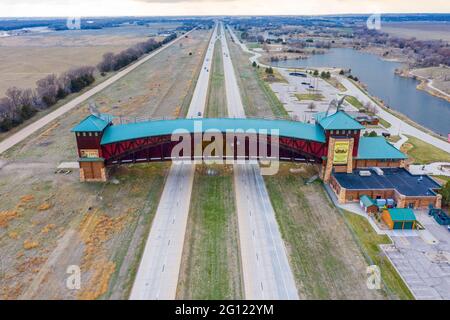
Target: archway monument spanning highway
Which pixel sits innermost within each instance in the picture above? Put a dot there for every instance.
(334, 142)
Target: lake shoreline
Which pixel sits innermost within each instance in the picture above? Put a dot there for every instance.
(399, 94)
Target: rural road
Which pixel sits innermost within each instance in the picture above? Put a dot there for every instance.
(39, 124)
(157, 276)
(265, 266)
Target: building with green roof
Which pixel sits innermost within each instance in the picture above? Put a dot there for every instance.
(92, 123)
(399, 218)
(339, 120)
(378, 148)
(368, 204)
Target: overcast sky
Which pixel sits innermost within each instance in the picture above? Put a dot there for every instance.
(75, 8)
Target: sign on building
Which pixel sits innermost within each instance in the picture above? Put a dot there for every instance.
(341, 149)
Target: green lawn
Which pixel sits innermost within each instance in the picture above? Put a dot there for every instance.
(276, 106)
(309, 96)
(358, 105)
(211, 263)
(354, 102)
(253, 45)
(336, 83)
(370, 241)
(385, 123)
(423, 153)
(394, 139)
(325, 260)
(216, 105)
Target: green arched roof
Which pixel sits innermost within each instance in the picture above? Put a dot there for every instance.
(293, 129)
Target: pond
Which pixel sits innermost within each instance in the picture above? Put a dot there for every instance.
(397, 92)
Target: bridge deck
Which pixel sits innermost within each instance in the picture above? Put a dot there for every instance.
(130, 131)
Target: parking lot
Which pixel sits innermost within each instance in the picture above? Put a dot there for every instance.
(299, 109)
(423, 258)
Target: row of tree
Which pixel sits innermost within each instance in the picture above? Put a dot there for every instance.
(114, 62)
(19, 105)
(425, 53)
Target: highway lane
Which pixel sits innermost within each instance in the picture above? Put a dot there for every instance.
(158, 272)
(265, 265)
(39, 124)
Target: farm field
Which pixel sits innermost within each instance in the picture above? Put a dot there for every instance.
(210, 267)
(47, 217)
(25, 59)
(325, 260)
(421, 31)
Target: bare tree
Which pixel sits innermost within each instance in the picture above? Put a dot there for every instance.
(311, 106)
(47, 89)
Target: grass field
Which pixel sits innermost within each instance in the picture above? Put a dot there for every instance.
(420, 31)
(275, 76)
(52, 219)
(211, 261)
(336, 83)
(354, 102)
(370, 241)
(439, 75)
(309, 96)
(384, 123)
(216, 105)
(326, 262)
(256, 98)
(275, 104)
(28, 58)
(421, 152)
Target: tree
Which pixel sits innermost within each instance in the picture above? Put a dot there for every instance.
(311, 106)
(341, 72)
(254, 64)
(107, 63)
(269, 70)
(47, 89)
(316, 73)
(445, 192)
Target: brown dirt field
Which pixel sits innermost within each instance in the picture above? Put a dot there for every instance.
(27, 58)
(421, 31)
(439, 75)
(99, 227)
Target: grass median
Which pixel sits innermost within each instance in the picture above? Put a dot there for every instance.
(210, 267)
